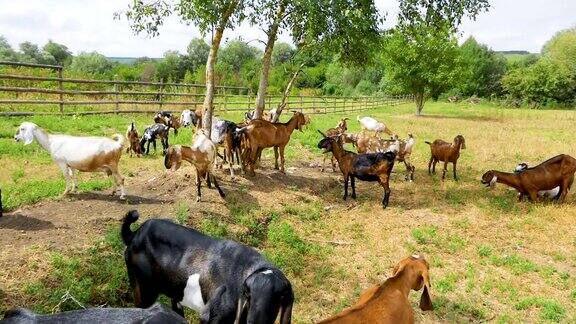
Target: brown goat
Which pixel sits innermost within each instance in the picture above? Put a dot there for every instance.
(168, 119)
(555, 172)
(202, 161)
(133, 141)
(445, 152)
(261, 134)
(388, 302)
(341, 128)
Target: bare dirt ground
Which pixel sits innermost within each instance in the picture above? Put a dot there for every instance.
(73, 223)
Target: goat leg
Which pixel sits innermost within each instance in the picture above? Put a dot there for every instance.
(385, 182)
(444, 170)
(220, 192)
(176, 307)
(64, 169)
(345, 187)
(208, 182)
(454, 170)
(154, 143)
(282, 159)
(332, 159)
(276, 157)
(353, 185)
(198, 183)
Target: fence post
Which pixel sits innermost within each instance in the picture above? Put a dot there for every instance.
(225, 99)
(61, 88)
(116, 98)
(159, 96)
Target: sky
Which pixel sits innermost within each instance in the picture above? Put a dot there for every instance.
(84, 25)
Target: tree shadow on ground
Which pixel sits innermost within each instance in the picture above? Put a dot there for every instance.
(18, 221)
(130, 199)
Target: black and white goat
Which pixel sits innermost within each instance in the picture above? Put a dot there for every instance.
(151, 134)
(366, 167)
(225, 281)
(155, 314)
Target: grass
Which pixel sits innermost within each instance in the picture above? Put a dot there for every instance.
(492, 258)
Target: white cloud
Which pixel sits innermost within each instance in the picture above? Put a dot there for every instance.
(89, 26)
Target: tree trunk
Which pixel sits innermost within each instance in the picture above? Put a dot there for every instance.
(419, 99)
(210, 63)
(287, 93)
(267, 60)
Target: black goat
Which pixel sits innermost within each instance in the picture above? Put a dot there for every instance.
(365, 167)
(226, 282)
(156, 314)
(151, 133)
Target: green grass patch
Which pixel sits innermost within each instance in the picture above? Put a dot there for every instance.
(550, 310)
(517, 264)
(447, 283)
(94, 277)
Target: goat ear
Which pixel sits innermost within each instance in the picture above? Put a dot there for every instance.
(323, 135)
(425, 300)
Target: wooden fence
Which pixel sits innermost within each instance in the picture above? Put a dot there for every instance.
(24, 94)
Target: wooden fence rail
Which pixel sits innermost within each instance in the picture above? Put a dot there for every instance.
(121, 96)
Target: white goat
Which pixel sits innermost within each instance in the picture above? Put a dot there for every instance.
(86, 154)
(220, 129)
(552, 193)
(371, 124)
(187, 118)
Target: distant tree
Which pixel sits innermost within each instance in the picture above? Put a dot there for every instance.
(61, 54)
(198, 52)
(6, 51)
(482, 69)
(237, 53)
(552, 79)
(543, 83)
(421, 51)
(171, 68)
(31, 53)
(92, 63)
(424, 64)
(215, 15)
(282, 53)
(348, 27)
(562, 48)
(148, 71)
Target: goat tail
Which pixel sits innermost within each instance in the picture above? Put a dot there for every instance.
(127, 234)
(358, 117)
(427, 142)
(118, 138)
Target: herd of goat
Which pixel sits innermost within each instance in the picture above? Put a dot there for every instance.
(228, 282)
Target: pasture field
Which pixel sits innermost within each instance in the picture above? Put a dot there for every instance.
(491, 258)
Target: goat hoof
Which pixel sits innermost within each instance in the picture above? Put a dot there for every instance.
(353, 196)
(123, 197)
(197, 199)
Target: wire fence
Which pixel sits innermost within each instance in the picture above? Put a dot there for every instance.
(48, 92)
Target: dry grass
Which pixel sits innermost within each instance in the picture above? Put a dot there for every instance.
(492, 258)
